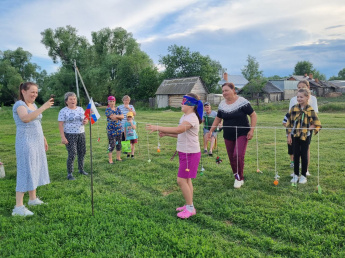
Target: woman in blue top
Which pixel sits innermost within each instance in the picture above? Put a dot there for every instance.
(31, 145)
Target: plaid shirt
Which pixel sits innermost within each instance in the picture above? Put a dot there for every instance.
(300, 119)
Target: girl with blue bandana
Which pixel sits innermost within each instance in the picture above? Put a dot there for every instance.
(188, 148)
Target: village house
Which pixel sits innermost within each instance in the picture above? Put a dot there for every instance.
(171, 91)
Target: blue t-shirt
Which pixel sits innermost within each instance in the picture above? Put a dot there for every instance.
(131, 134)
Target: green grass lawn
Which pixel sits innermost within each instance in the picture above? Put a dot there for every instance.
(135, 201)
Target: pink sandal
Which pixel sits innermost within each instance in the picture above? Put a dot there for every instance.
(181, 208)
(185, 214)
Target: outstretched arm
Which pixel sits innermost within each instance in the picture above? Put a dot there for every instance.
(169, 130)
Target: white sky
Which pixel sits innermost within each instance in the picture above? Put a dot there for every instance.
(277, 33)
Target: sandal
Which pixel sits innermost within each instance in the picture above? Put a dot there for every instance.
(185, 214)
(181, 208)
(119, 160)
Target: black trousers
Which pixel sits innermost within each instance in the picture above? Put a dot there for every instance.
(300, 151)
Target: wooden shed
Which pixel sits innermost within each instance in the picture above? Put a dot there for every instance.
(171, 91)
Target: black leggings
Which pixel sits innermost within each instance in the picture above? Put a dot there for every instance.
(300, 150)
(76, 146)
(114, 140)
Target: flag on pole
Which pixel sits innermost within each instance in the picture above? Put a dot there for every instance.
(91, 112)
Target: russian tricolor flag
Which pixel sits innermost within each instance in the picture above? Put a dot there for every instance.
(91, 112)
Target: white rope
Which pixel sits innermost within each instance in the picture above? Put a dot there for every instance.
(148, 147)
(260, 127)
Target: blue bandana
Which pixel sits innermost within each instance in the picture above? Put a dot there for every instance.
(190, 101)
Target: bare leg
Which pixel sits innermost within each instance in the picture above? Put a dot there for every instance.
(32, 195)
(132, 148)
(212, 144)
(205, 143)
(118, 155)
(19, 198)
(110, 155)
(187, 191)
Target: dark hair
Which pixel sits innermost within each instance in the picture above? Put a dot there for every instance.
(230, 85)
(193, 95)
(25, 86)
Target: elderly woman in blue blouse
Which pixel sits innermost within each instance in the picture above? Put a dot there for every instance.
(234, 111)
(31, 147)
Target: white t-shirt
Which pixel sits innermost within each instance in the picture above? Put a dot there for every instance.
(73, 119)
(188, 142)
(124, 111)
(312, 103)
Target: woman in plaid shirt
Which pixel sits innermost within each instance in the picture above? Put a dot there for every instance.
(302, 120)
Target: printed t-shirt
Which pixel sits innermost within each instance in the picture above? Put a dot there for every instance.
(131, 134)
(73, 119)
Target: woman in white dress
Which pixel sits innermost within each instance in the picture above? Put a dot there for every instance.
(31, 145)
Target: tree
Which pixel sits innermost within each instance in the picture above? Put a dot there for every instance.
(15, 67)
(306, 67)
(110, 65)
(64, 44)
(303, 67)
(251, 70)
(254, 88)
(181, 62)
(341, 75)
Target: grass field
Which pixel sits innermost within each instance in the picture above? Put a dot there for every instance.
(135, 201)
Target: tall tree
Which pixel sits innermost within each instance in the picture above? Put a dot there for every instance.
(251, 70)
(303, 67)
(111, 64)
(16, 67)
(64, 44)
(306, 67)
(181, 62)
(341, 75)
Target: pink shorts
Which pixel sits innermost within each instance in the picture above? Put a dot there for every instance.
(192, 164)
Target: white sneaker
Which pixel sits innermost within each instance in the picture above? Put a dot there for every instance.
(302, 180)
(292, 175)
(35, 202)
(238, 183)
(308, 174)
(294, 179)
(21, 211)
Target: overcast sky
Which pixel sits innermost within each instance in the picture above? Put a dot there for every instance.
(277, 33)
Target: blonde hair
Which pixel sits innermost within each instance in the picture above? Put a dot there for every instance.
(304, 82)
(126, 97)
(305, 91)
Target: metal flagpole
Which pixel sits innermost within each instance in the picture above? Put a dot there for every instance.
(91, 167)
(76, 78)
(91, 170)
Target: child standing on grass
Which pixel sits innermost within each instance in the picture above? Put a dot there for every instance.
(188, 148)
(290, 147)
(130, 133)
(302, 120)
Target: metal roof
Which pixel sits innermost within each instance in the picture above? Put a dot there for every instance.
(271, 88)
(178, 86)
(238, 80)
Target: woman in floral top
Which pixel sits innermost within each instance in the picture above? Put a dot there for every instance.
(114, 117)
